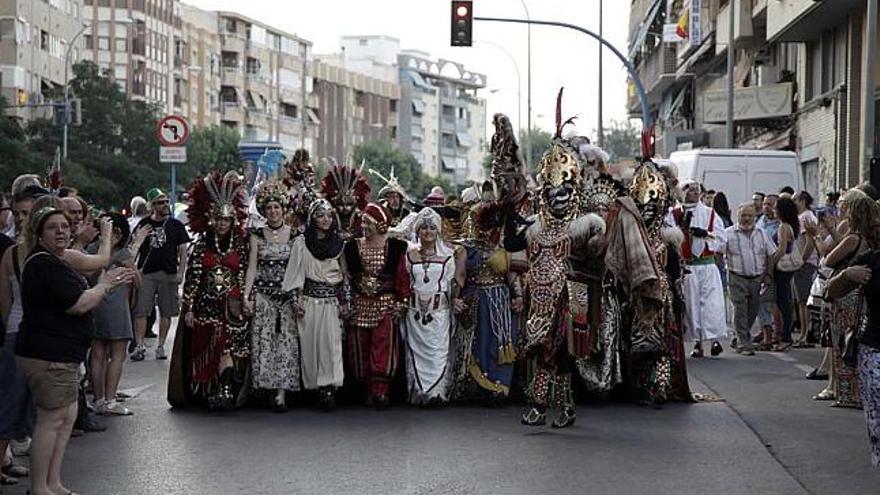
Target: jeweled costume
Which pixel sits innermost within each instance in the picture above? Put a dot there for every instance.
(348, 191)
(379, 285)
(274, 335)
(489, 289)
(212, 291)
(557, 330)
(638, 255)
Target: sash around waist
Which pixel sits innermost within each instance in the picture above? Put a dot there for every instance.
(320, 290)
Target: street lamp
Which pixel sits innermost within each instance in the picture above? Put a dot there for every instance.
(529, 88)
(66, 80)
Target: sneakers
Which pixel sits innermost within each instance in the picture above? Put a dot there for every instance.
(140, 352)
(160, 353)
(114, 408)
(20, 447)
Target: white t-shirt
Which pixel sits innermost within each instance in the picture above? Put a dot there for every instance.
(803, 217)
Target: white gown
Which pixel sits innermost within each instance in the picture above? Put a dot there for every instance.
(702, 289)
(426, 328)
(320, 328)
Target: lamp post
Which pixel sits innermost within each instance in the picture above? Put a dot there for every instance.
(731, 63)
(528, 90)
(66, 80)
(601, 131)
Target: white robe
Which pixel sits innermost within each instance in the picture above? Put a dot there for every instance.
(426, 334)
(320, 328)
(706, 316)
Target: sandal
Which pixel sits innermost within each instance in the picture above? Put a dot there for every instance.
(824, 395)
(7, 480)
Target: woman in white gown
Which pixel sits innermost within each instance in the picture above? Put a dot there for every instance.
(428, 323)
(315, 273)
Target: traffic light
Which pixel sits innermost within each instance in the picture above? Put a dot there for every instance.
(462, 23)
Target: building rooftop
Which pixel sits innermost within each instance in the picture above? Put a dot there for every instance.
(267, 27)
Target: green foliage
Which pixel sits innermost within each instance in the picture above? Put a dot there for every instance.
(114, 154)
(381, 156)
(539, 140)
(622, 140)
(210, 148)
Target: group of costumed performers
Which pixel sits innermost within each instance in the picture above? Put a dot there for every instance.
(577, 280)
(210, 362)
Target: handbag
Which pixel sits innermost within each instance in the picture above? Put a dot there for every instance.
(850, 337)
(793, 261)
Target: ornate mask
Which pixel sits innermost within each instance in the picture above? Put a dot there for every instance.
(558, 179)
(650, 192)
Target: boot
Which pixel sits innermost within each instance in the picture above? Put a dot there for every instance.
(535, 416)
(565, 418)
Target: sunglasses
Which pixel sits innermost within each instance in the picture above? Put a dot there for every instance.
(161, 202)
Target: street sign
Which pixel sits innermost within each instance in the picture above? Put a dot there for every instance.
(172, 131)
(172, 154)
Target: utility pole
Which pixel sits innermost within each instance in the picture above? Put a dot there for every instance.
(601, 129)
(868, 168)
(731, 62)
(528, 135)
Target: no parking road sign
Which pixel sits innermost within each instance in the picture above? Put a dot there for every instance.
(172, 131)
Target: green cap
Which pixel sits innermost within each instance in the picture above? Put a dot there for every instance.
(154, 194)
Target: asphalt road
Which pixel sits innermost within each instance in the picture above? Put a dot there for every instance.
(766, 437)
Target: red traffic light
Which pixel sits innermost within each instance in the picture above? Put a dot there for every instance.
(462, 23)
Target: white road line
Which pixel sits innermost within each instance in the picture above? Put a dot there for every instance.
(783, 357)
(803, 367)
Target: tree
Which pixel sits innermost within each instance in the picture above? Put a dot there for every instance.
(114, 154)
(211, 148)
(381, 156)
(622, 140)
(539, 141)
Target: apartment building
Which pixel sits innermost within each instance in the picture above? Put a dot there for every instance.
(35, 36)
(135, 41)
(265, 88)
(797, 77)
(353, 108)
(197, 54)
(442, 119)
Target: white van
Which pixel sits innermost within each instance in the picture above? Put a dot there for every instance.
(739, 173)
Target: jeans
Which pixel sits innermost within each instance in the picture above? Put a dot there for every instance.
(784, 302)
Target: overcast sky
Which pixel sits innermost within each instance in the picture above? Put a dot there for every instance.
(560, 57)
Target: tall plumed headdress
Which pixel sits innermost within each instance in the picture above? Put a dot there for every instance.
(270, 191)
(54, 177)
(216, 196)
(343, 184)
(392, 185)
(600, 191)
(560, 164)
(507, 170)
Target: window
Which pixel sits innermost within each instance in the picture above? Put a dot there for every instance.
(90, 42)
(392, 105)
(121, 45)
(121, 4)
(137, 5)
(120, 71)
(44, 40)
(231, 26)
(103, 3)
(289, 78)
(289, 110)
(103, 43)
(7, 29)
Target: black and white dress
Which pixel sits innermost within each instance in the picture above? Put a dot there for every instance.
(275, 357)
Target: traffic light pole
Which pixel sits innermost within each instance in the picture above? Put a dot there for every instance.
(647, 119)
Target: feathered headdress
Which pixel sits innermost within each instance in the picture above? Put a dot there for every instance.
(216, 196)
(343, 183)
(54, 177)
(392, 185)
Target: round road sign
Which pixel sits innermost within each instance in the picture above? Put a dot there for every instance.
(172, 131)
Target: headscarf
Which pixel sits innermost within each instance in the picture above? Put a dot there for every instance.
(427, 215)
(329, 246)
(379, 215)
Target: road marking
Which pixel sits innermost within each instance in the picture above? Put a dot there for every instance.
(803, 367)
(783, 357)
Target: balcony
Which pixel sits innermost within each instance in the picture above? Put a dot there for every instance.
(657, 72)
(231, 76)
(233, 43)
(231, 111)
(805, 20)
